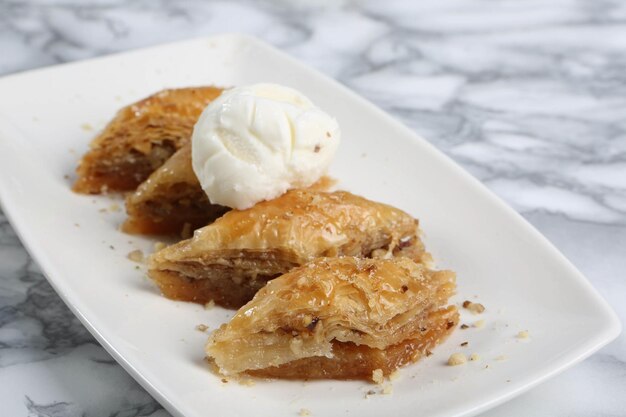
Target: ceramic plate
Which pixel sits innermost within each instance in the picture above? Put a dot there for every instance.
(47, 118)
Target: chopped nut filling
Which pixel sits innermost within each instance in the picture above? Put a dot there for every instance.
(377, 376)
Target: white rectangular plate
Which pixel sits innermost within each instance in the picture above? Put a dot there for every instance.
(524, 282)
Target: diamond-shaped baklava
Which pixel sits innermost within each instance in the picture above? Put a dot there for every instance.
(170, 200)
(340, 318)
(231, 259)
(140, 138)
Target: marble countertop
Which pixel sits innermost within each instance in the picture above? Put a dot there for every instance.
(529, 96)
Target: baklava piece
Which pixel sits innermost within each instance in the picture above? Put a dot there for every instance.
(170, 200)
(231, 259)
(338, 318)
(140, 138)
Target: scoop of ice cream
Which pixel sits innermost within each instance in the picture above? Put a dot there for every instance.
(254, 143)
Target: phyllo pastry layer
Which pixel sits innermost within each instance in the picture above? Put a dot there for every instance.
(340, 318)
(140, 138)
(170, 200)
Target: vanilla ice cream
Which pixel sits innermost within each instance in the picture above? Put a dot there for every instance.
(254, 143)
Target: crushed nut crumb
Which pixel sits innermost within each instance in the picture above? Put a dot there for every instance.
(523, 335)
(428, 353)
(158, 246)
(378, 376)
(475, 308)
(135, 255)
(247, 382)
(474, 357)
(387, 390)
(296, 344)
(464, 326)
(457, 359)
(394, 375)
(479, 324)
(114, 207)
(501, 358)
(224, 380)
(304, 412)
(86, 127)
(209, 305)
(202, 327)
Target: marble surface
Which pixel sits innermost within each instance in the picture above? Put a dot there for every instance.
(529, 96)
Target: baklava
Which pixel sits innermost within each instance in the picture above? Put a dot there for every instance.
(338, 318)
(231, 259)
(170, 200)
(140, 138)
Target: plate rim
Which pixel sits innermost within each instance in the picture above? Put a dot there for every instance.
(603, 336)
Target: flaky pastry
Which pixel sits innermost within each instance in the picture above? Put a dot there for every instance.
(339, 318)
(231, 259)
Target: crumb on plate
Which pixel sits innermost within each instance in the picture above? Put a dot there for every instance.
(479, 324)
(135, 255)
(247, 382)
(475, 308)
(457, 359)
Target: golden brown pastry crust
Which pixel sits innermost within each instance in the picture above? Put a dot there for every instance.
(140, 138)
(172, 199)
(169, 199)
(229, 260)
(338, 318)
